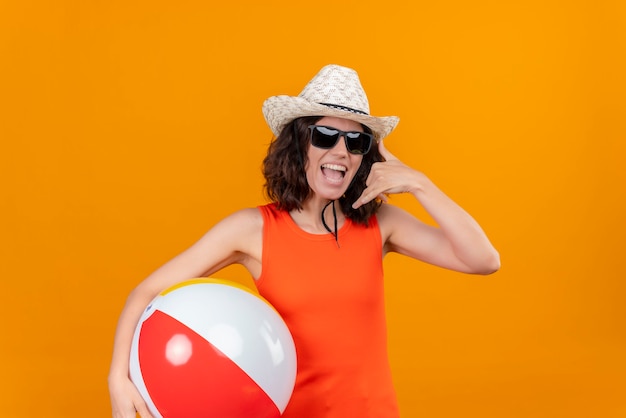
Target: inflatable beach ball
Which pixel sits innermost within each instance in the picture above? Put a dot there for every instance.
(213, 348)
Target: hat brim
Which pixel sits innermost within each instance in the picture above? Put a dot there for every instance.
(280, 110)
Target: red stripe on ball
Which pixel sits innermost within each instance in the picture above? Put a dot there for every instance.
(192, 378)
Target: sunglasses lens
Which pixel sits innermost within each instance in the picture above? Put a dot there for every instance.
(358, 142)
(326, 137)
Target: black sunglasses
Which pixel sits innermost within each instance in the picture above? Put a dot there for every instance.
(326, 137)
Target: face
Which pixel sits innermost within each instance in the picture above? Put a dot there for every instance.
(329, 172)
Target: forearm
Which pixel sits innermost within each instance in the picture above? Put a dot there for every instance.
(126, 401)
(127, 322)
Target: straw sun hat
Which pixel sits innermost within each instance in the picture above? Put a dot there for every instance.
(334, 91)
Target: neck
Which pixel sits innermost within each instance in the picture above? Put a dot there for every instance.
(310, 217)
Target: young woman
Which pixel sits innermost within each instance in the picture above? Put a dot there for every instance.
(316, 251)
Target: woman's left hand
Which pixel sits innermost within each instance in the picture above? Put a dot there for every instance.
(387, 177)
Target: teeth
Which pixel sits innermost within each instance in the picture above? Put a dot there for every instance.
(334, 167)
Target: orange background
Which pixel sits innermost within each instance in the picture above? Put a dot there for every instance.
(129, 128)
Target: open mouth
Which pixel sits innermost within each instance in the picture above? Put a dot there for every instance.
(333, 172)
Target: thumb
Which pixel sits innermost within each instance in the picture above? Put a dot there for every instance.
(385, 152)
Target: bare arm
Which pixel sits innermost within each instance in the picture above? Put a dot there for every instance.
(236, 239)
(458, 243)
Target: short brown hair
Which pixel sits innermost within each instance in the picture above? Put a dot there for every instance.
(285, 178)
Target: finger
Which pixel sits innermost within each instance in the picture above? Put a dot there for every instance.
(360, 201)
(144, 413)
(142, 410)
(388, 156)
(367, 196)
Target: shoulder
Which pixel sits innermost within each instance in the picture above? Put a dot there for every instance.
(249, 215)
(245, 220)
(395, 222)
(237, 227)
(236, 238)
(239, 239)
(388, 215)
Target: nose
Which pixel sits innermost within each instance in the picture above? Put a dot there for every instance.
(340, 147)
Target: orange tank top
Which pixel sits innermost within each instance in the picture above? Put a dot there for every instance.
(332, 299)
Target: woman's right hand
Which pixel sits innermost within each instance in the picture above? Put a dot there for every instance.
(126, 401)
